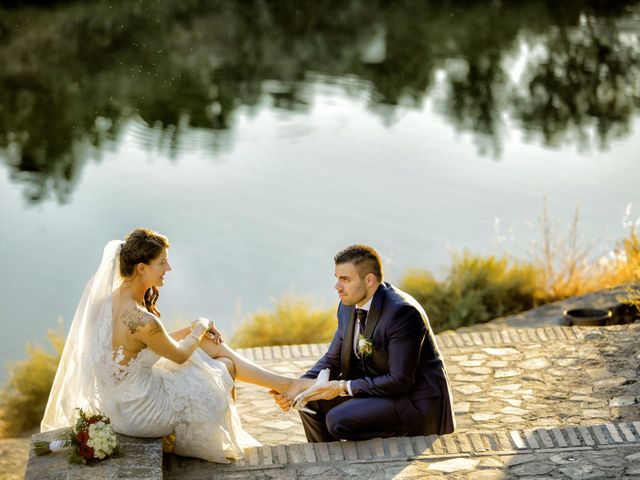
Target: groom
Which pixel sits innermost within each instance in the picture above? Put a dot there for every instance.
(387, 375)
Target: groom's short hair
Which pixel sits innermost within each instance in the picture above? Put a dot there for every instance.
(364, 258)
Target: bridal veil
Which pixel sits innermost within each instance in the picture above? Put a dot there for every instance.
(87, 358)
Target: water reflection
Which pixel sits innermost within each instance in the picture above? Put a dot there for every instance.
(73, 75)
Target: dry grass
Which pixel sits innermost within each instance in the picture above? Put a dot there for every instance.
(567, 270)
(23, 397)
(478, 288)
(294, 321)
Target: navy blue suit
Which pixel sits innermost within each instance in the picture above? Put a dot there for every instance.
(401, 389)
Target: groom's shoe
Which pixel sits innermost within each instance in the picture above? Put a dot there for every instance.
(168, 443)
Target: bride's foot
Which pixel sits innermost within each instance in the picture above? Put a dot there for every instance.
(299, 399)
(298, 386)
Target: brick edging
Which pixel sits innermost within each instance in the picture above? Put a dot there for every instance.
(445, 341)
(507, 442)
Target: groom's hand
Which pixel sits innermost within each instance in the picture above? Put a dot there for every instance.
(282, 399)
(327, 391)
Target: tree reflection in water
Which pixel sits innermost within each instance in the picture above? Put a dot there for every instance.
(73, 73)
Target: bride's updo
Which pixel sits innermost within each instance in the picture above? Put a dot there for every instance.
(142, 246)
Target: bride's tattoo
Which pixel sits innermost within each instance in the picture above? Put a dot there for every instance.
(134, 319)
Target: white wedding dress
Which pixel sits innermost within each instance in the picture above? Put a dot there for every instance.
(151, 396)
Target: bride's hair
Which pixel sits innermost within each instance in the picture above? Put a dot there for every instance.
(142, 246)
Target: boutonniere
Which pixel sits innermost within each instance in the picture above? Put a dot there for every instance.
(365, 347)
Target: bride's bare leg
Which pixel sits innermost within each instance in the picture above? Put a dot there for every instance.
(232, 371)
(247, 371)
(183, 332)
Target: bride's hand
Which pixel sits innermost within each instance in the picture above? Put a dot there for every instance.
(214, 335)
(201, 321)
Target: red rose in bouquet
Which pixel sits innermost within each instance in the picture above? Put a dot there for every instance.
(85, 452)
(82, 437)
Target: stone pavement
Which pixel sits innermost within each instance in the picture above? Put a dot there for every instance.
(513, 379)
(549, 402)
(554, 402)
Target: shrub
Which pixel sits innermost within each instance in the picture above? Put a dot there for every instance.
(23, 397)
(622, 265)
(566, 272)
(294, 321)
(431, 294)
(475, 290)
(567, 269)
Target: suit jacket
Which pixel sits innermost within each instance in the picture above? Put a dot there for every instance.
(406, 364)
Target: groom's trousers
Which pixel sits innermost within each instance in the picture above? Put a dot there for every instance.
(348, 418)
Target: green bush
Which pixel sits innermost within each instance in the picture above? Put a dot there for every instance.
(294, 321)
(476, 289)
(23, 397)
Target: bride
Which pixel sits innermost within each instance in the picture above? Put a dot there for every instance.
(118, 358)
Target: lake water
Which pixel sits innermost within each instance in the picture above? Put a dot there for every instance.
(256, 204)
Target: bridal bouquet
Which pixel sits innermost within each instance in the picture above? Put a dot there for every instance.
(91, 439)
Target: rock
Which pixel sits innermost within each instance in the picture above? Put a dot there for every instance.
(498, 364)
(483, 417)
(518, 459)
(512, 419)
(141, 459)
(511, 387)
(532, 468)
(513, 411)
(598, 373)
(623, 401)
(485, 475)
(478, 356)
(566, 458)
(471, 363)
(610, 382)
(468, 389)
(565, 362)
(582, 398)
(479, 370)
(491, 462)
(471, 378)
(454, 465)
(588, 413)
(507, 373)
(537, 363)
(582, 472)
(501, 351)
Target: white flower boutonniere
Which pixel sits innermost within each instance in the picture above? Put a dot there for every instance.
(365, 347)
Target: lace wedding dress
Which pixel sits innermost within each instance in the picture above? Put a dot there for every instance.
(151, 396)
